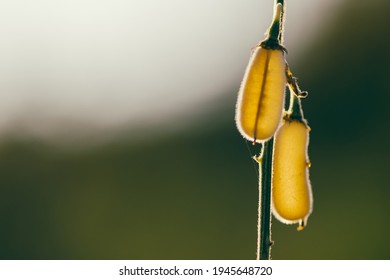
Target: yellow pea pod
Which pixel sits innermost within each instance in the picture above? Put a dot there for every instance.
(292, 199)
(261, 97)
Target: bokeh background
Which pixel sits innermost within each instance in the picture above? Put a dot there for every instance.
(117, 138)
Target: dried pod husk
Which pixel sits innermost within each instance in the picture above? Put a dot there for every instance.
(261, 97)
(292, 199)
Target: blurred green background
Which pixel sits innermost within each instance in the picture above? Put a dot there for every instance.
(192, 193)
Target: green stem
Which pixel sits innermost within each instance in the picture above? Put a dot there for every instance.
(274, 37)
(281, 24)
(273, 41)
(295, 111)
(264, 242)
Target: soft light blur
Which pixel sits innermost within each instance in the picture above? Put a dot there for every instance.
(191, 192)
(93, 65)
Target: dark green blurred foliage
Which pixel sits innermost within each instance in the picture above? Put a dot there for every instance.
(193, 194)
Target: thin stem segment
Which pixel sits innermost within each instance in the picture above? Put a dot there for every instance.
(274, 40)
(281, 24)
(265, 242)
(274, 37)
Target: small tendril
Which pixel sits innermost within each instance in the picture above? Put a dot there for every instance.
(293, 83)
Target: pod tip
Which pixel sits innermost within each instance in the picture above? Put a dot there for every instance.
(301, 225)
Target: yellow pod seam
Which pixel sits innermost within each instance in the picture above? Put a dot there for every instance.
(292, 199)
(261, 97)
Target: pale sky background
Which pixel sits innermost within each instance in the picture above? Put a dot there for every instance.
(106, 63)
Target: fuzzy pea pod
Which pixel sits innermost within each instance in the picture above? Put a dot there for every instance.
(291, 189)
(261, 97)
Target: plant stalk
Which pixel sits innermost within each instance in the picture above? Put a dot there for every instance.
(281, 24)
(264, 241)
